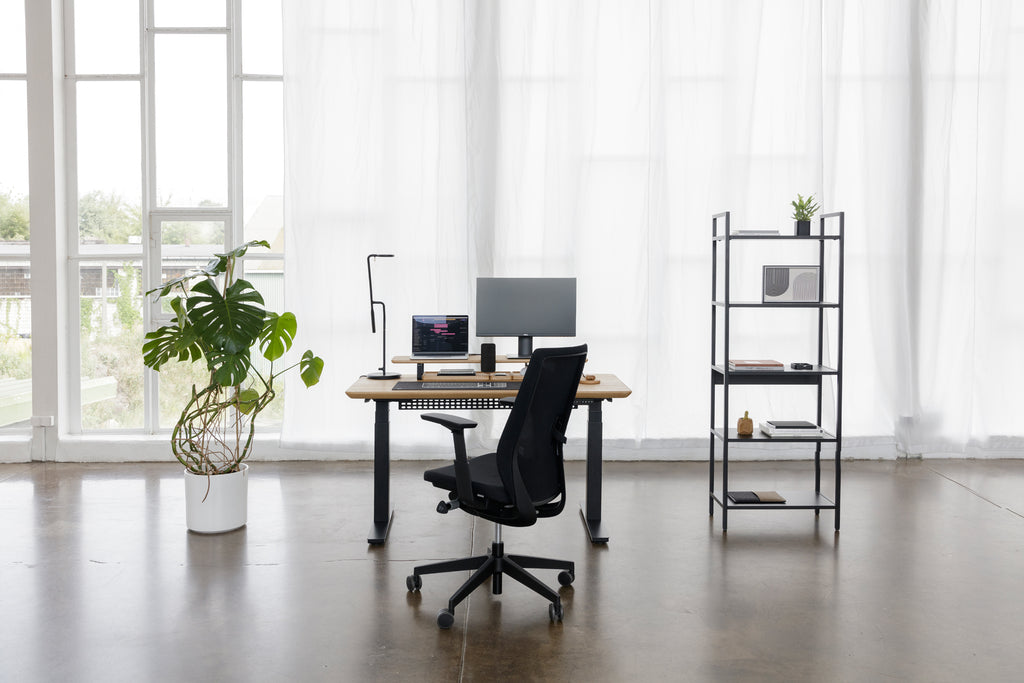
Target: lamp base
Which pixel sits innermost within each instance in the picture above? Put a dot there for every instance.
(382, 375)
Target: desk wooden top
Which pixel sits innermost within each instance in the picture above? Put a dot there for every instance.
(609, 386)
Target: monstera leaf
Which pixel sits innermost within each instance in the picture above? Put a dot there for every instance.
(310, 368)
(277, 335)
(229, 369)
(170, 342)
(230, 322)
(247, 400)
(222, 261)
(209, 270)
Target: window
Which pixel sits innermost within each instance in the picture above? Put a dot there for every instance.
(15, 268)
(177, 145)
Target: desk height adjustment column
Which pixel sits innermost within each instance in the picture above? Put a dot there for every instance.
(590, 509)
(382, 512)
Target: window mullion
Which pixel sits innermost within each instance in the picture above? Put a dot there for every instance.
(234, 233)
(151, 243)
(73, 377)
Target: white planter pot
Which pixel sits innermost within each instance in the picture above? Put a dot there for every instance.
(225, 506)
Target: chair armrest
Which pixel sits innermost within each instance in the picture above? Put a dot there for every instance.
(452, 422)
(457, 426)
(507, 400)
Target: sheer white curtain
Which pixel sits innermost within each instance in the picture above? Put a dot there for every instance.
(595, 139)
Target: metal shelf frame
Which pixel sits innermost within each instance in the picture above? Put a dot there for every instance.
(721, 316)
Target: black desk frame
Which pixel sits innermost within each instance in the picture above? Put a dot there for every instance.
(383, 513)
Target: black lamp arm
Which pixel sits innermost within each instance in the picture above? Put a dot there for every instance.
(383, 312)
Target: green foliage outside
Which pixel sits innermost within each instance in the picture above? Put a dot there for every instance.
(106, 218)
(112, 350)
(192, 232)
(15, 352)
(14, 223)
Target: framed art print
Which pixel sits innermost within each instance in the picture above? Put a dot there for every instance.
(790, 284)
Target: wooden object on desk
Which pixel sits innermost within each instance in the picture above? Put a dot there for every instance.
(610, 386)
(478, 377)
(473, 359)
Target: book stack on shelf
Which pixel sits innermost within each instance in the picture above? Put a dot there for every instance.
(791, 428)
(755, 365)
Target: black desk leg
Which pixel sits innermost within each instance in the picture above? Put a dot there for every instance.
(381, 476)
(590, 510)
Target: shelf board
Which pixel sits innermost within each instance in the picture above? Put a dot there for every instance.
(760, 437)
(784, 375)
(719, 238)
(776, 304)
(795, 500)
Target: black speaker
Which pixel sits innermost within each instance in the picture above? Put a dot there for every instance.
(487, 358)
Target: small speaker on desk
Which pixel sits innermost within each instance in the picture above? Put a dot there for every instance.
(487, 363)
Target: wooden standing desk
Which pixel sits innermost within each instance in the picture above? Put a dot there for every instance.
(383, 394)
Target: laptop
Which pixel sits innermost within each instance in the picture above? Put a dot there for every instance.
(440, 337)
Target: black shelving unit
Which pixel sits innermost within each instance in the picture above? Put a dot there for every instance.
(722, 379)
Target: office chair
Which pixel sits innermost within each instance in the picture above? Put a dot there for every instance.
(522, 481)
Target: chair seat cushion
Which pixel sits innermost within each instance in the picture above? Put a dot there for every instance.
(483, 471)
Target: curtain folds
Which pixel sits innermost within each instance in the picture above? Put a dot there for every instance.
(595, 139)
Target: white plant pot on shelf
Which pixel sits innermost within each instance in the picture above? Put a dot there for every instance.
(216, 503)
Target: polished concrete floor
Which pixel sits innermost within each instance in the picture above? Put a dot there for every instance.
(100, 581)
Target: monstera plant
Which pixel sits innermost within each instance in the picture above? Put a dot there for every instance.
(219, 320)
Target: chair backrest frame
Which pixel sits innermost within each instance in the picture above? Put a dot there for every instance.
(529, 451)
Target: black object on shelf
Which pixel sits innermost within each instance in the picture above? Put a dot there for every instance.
(487, 359)
(815, 374)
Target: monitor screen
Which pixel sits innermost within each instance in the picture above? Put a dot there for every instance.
(526, 307)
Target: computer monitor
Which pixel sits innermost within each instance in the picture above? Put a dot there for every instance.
(525, 307)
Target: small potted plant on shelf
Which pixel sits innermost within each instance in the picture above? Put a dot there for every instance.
(803, 211)
(218, 319)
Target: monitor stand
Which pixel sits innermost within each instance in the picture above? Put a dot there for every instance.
(525, 348)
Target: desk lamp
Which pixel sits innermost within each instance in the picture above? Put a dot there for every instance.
(383, 374)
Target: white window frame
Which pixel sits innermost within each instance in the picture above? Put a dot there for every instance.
(153, 216)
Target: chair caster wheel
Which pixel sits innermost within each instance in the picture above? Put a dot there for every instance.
(555, 611)
(566, 577)
(445, 619)
(413, 582)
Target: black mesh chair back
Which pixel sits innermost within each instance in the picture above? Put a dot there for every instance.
(530, 447)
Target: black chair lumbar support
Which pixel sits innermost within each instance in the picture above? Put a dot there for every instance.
(522, 481)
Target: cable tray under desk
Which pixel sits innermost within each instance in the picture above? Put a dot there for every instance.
(452, 404)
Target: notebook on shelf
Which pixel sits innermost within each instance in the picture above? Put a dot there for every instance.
(791, 428)
(755, 497)
(752, 364)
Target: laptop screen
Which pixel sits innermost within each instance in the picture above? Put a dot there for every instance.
(440, 335)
